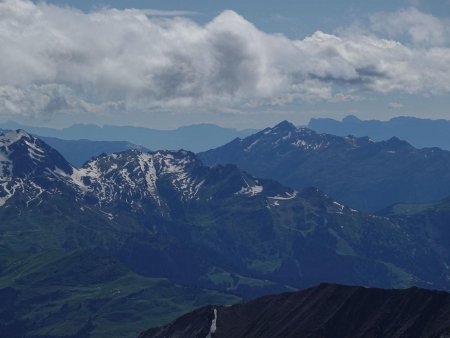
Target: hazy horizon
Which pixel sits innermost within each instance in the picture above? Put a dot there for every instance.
(167, 64)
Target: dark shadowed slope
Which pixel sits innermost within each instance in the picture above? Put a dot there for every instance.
(363, 174)
(327, 310)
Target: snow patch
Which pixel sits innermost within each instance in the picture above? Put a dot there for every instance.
(11, 137)
(213, 327)
(250, 190)
(340, 207)
(288, 196)
(252, 145)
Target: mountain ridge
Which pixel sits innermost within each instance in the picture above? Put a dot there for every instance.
(78, 152)
(150, 190)
(196, 137)
(326, 310)
(166, 215)
(362, 173)
(421, 133)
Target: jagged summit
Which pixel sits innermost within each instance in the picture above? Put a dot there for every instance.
(29, 167)
(284, 138)
(284, 125)
(22, 154)
(134, 176)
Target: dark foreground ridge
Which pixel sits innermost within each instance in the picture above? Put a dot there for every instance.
(327, 310)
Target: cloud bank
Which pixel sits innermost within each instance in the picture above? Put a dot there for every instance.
(420, 27)
(58, 59)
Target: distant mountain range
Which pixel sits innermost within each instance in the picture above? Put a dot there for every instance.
(360, 172)
(326, 311)
(147, 236)
(420, 133)
(199, 137)
(77, 152)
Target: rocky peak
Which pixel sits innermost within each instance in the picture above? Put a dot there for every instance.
(22, 155)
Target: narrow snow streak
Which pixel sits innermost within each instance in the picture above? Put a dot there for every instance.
(213, 327)
(288, 196)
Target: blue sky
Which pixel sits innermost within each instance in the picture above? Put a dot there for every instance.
(295, 18)
(235, 63)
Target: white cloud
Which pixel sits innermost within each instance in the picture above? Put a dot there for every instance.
(44, 99)
(421, 28)
(61, 59)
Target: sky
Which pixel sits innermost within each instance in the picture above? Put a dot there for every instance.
(242, 64)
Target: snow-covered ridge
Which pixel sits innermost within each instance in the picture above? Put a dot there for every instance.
(19, 146)
(129, 177)
(23, 158)
(286, 134)
(10, 137)
(6, 140)
(133, 176)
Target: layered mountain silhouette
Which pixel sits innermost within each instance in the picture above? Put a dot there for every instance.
(360, 172)
(78, 152)
(197, 137)
(326, 311)
(419, 132)
(147, 236)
